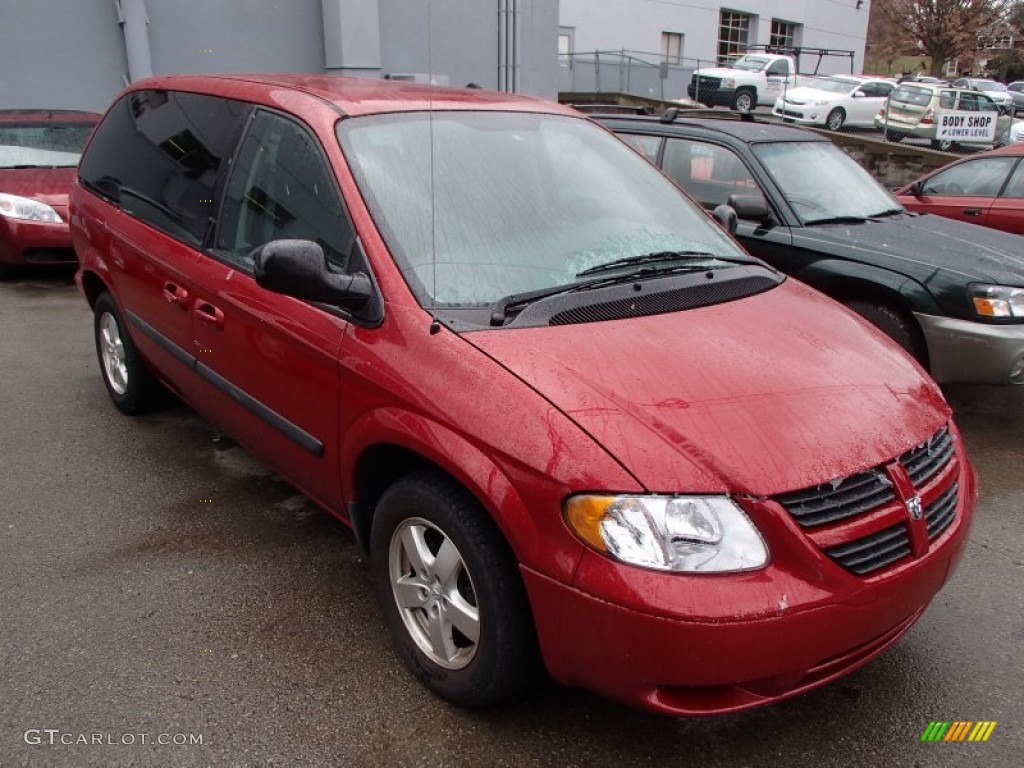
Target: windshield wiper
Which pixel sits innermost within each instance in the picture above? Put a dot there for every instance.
(888, 212)
(659, 256)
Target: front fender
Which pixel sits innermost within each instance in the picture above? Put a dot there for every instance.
(851, 278)
(532, 525)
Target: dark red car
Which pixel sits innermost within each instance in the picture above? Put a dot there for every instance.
(986, 189)
(572, 421)
(39, 150)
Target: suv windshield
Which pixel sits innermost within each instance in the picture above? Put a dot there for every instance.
(822, 183)
(42, 145)
(476, 206)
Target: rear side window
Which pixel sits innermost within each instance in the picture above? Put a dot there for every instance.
(708, 172)
(983, 177)
(158, 155)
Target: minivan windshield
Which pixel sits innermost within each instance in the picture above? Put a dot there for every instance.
(476, 206)
(42, 145)
(823, 184)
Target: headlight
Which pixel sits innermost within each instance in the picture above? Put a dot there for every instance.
(997, 300)
(14, 207)
(669, 533)
(729, 83)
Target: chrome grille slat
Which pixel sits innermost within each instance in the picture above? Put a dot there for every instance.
(873, 552)
(923, 462)
(827, 504)
(940, 513)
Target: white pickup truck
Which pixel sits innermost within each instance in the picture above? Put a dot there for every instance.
(757, 78)
(754, 79)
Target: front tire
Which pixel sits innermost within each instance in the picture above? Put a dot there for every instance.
(129, 383)
(835, 119)
(896, 324)
(943, 146)
(451, 593)
(745, 100)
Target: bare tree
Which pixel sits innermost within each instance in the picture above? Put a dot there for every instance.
(945, 29)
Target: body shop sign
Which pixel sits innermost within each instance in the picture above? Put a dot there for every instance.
(966, 126)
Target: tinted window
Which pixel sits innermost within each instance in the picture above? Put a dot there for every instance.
(947, 100)
(1015, 187)
(983, 177)
(281, 188)
(708, 172)
(158, 155)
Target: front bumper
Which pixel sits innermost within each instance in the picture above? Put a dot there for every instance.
(961, 351)
(706, 644)
(803, 115)
(35, 242)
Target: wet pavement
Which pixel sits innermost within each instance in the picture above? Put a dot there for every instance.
(158, 585)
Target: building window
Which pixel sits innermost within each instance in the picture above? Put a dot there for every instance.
(784, 34)
(733, 35)
(672, 47)
(565, 45)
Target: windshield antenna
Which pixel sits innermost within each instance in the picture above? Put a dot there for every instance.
(435, 326)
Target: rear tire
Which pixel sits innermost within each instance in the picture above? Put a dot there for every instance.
(451, 593)
(943, 146)
(894, 136)
(129, 383)
(835, 119)
(896, 324)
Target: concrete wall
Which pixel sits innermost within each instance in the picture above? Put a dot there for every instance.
(70, 54)
(637, 25)
(50, 57)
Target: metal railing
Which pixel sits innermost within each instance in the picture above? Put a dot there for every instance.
(639, 73)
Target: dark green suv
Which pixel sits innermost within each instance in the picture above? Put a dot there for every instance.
(952, 294)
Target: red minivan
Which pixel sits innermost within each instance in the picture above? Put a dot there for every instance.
(575, 425)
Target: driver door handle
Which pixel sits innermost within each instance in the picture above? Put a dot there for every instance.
(972, 211)
(208, 313)
(175, 294)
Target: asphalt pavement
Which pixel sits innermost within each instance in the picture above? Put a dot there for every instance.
(157, 585)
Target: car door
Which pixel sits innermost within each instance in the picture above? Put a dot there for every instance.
(270, 362)
(862, 109)
(158, 158)
(965, 191)
(1007, 210)
(711, 173)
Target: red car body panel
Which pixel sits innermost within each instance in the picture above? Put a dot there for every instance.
(998, 212)
(751, 398)
(38, 242)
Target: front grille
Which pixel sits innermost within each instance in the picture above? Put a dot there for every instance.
(792, 113)
(864, 493)
(873, 552)
(928, 458)
(940, 513)
(666, 301)
(830, 502)
(709, 83)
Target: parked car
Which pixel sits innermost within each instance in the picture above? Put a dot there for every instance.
(568, 415)
(38, 153)
(834, 102)
(916, 110)
(995, 90)
(986, 189)
(952, 294)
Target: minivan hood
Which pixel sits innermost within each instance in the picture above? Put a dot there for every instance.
(929, 241)
(774, 392)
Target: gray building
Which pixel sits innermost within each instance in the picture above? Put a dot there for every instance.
(77, 55)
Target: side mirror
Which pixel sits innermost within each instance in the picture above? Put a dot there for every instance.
(725, 215)
(750, 207)
(915, 189)
(298, 268)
